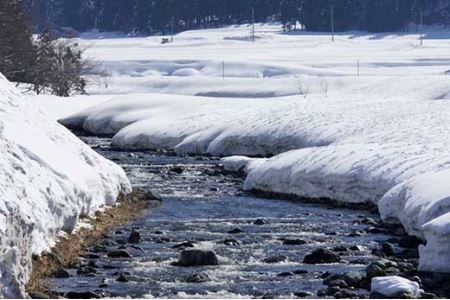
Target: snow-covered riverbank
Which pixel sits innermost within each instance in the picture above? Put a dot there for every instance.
(381, 137)
(48, 180)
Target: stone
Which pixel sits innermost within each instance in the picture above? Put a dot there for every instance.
(177, 169)
(231, 242)
(303, 294)
(259, 222)
(357, 248)
(286, 274)
(81, 295)
(355, 234)
(275, 259)
(198, 278)
(353, 278)
(38, 296)
(235, 231)
(60, 273)
(294, 242)
(300, 272)
(321, 256)
(344, 294)
(369, 221)
(135, 237)
(152, 195)
(86, 270)
(119, 254)
(410, 242)
(340, 249)
(375, 269)
(194, 258)
(387, 249)
(339, 283)
(122, 278)
(184, 245)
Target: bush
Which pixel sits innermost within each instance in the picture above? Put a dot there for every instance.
(46, 64)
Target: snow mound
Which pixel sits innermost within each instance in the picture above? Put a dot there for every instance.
(48, 180)
(186, 72)
(395, 286)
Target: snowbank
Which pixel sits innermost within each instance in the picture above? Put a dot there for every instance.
(48, 180)
(395, 286)
(381, 137)
(378, 140)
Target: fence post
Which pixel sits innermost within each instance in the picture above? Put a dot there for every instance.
(358, 67)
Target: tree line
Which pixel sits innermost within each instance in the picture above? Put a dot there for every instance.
(158, 16)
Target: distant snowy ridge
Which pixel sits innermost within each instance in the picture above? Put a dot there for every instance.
(379, 140)
(48, 180)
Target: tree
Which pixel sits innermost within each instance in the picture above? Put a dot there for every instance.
(17, 51)
(68, 69)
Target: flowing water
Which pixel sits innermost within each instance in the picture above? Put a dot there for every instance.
(201, 205)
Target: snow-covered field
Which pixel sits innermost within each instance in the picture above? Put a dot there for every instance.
(48, 180)
(380, 137)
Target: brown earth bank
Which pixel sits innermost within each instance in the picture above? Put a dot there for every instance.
(72, 246)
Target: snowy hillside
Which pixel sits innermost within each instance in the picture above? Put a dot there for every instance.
(381, 137)
(48, 180)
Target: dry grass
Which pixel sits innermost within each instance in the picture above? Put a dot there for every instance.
(69, 248)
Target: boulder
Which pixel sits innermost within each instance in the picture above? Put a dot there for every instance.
(196, 257)
(321, 256)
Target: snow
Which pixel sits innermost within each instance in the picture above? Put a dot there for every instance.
(393, 286)
(48, 181)
(379, 138)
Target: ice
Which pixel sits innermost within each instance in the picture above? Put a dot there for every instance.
(48, 180)
(394, 286)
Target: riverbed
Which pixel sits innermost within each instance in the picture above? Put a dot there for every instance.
(260, 243)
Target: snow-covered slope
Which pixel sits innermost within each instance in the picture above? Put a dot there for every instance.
(48, 180)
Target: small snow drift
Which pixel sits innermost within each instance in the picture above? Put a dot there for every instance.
(395, 287)
(48, 180)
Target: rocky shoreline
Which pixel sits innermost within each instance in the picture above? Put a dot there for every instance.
(71, 247)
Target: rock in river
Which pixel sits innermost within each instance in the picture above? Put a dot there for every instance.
(196, 257)
(135, 237)
(321, 256)
(119, 254)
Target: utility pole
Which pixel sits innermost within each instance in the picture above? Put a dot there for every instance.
(253, 24)
(173, 25)
(332, 23)
(421, 27)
